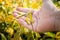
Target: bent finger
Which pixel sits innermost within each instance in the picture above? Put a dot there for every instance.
(24, 23)
(25, 10)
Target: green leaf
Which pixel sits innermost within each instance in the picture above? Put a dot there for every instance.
(50, 34)
(3, 37)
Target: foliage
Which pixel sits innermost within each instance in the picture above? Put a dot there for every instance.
(10, 29)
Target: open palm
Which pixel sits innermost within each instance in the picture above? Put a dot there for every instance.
(44, 18)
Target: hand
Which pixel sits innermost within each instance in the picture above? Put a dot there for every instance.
(44, 18)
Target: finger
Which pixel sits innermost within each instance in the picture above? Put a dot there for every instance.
(24, 23)
(25, 10)
(35, 22)
(15, 14)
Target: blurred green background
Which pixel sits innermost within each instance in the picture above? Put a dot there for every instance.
(10, 29)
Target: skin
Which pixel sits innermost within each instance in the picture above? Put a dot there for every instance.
(45, 19)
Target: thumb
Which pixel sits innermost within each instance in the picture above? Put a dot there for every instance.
(48, 5)
(46, 0)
